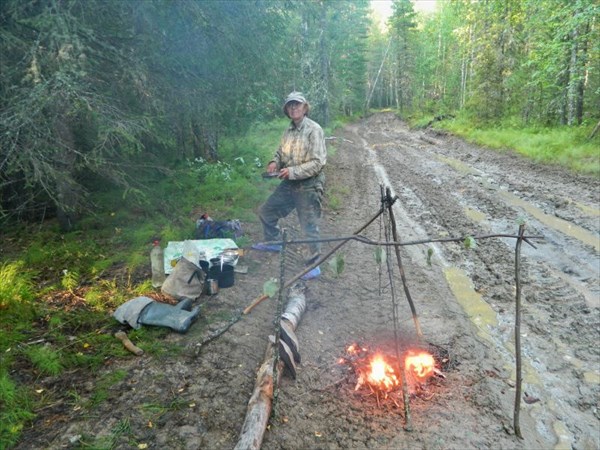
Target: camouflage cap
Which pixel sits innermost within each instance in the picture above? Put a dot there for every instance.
(293, 97)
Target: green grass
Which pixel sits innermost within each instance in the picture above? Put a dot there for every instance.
(17, 310)
(15, 410)
(122, 429)
(16, 294)
(58, 290)
(420, 121)
(153, 411)
(335, 197)
(566, 146)
(45, 359)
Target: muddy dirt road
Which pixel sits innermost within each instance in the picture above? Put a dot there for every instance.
(196, 397)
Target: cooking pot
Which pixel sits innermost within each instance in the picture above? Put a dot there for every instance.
(224, 274)
(221, 260)
(204, 265)
(231, 255)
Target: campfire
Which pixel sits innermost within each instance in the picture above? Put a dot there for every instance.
(380, 374)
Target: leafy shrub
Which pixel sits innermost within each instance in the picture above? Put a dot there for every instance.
(70, 280)
(16, 293)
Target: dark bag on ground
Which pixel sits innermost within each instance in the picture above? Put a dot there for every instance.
(214, 229)
(185, 281)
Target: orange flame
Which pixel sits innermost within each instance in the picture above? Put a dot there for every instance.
(382, 374)
(355, 349)
(420, 365)
(375, 371)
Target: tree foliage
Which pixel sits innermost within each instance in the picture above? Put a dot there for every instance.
(95, 92)
(403, 26)
(535, 60)
(100, 93)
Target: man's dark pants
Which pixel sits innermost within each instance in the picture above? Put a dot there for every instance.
(305, 196)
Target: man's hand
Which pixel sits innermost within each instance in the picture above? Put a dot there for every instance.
(272, 167)
(284, 173)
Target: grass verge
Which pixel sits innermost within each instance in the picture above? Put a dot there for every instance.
(58, 290)
(569, 147)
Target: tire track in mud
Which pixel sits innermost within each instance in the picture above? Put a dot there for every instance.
(321, 409)
(342, 311)
(439, 193)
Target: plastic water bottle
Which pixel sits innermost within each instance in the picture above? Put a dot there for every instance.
(158, 265)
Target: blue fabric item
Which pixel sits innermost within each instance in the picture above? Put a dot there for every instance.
(267, 247)
(212, 229)
(312, 274)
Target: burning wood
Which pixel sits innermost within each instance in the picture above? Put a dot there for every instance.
(419, 365)
(379, 373)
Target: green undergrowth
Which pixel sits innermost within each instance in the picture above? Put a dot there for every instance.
(336, 196)
(58, 290)
(569, 147)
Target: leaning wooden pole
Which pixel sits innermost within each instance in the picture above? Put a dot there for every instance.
(261, 402)
(307, 269)
(388, 194)
(401, 365)
(519, 375)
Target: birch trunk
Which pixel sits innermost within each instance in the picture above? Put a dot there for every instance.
(261, 401)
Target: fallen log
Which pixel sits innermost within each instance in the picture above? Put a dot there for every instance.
(430, 140)
(594, 131)
(296, 305)
(261, 402)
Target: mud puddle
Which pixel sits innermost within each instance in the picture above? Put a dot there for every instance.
(490, 326)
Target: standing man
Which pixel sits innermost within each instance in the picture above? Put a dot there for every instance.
(299, 163)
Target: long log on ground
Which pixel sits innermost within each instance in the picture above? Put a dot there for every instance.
(430, 140)
(261, 401)
(296, 305)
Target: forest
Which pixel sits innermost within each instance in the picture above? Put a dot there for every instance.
(123, 121)
(101, 94)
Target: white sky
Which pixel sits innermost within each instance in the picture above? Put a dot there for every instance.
(384, 7)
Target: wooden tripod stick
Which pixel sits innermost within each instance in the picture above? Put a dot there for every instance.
(295, 278)
(388, 196)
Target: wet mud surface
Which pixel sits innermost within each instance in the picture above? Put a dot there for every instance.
(195, 396)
